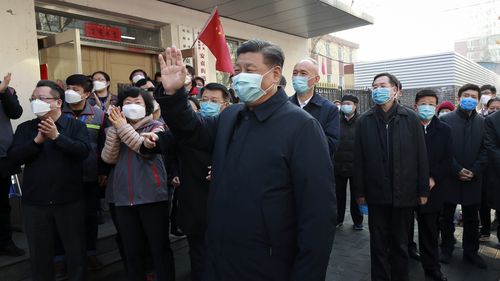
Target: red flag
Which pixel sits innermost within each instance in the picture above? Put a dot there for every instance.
(323, 65)
(213, 36)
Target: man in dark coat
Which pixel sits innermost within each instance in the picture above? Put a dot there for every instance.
(305, 76)
(271, 206)
(464, 185)
(9, 109)
(492, 144)
(344, 161)
(440, 155)
(391, 175)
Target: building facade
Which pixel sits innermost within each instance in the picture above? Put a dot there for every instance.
(444, 73)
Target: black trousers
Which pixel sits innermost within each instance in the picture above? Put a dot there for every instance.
(173, 211)
(5, 225)
(485, 214)
(141, 226)
(341, 190)
(41, 225)
(428, 236)
(389, 228)
(91, 199)
(197, 255)
(471, 229)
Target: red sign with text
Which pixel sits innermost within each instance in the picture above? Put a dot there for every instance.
(98, 31)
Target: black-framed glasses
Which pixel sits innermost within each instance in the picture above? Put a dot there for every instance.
(42, 99)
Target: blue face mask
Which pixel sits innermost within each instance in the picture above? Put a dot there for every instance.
(347, 108)
(247, 86)
(468, 104)
(426, 112)
(209, 109)
(300, 84)
(381, 95)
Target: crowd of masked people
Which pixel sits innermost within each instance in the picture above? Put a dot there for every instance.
(255, 179)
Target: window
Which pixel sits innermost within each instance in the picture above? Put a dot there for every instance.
(52, 22)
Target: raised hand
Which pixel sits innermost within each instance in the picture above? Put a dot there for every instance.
(5, 83)
(117, 117)
(173, 70)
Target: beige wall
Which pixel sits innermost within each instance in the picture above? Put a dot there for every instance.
(295, 48)
(18, 49)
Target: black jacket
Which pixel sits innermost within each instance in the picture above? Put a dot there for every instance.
(492, 144)
(54, 169)
(9, 109)
(468, 152)
(271, 207)
(344, 156)
(440, 155)
(328, 116)
(191, 166)
(390, 163)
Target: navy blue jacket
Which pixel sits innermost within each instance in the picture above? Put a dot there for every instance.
(53, 170)
(271, 207)
(440, 155)
(327, 114)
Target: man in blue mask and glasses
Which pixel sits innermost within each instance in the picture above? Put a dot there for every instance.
(271, 206)
(305, 76)
(391, 175)
(464, 184)
(215, 98)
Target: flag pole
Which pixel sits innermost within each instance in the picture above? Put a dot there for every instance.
(205, 26)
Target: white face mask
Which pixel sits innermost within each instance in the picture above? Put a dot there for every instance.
(72, 97)
(99, 85)
(134, 111)
(39, 107)
(137, 78)
(485, 99)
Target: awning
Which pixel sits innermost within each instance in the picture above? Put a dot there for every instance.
(304, 18)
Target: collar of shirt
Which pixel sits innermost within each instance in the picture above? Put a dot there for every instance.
(87, 110)
(265, 110)
(304, 103)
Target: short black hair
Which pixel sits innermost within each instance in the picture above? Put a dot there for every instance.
(489, 87)
(134, 92)
(157, 74)
(426, 93)
(492, 101)
(106, 76)
(282, 82)
(55, 90)
(272, 53)
(392, 79)
(195, 101)
(81, 80)
(216, 86)
(137, 70)
(201, 79)
(467, 87)
(190, 69)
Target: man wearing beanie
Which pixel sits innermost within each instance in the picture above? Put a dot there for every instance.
(79, 88)
(344, 161)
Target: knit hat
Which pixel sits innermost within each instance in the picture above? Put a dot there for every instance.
(445, 105)
(352, 98)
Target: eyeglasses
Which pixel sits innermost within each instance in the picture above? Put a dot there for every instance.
(42, 99)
